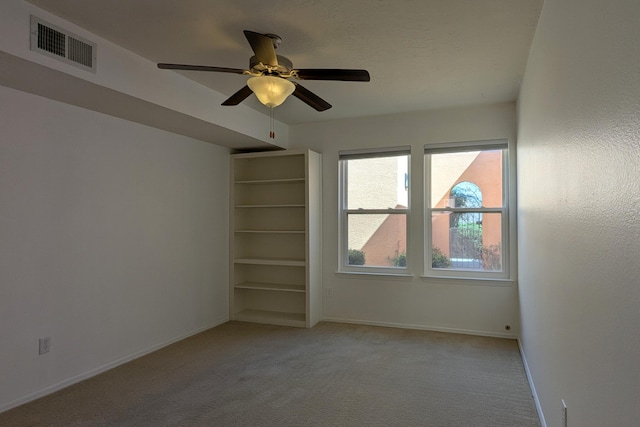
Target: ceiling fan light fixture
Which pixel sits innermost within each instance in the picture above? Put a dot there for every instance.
(271, 91)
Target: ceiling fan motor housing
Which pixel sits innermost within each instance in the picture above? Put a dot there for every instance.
(284, 66)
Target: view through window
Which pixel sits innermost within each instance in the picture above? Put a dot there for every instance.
(466, 231)
(374, 210)
(467, 209)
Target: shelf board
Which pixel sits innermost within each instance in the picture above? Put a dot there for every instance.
(271, 317)
(271, 287)
(271, 181)
(271, 261)
(272, 231)
(292, 205)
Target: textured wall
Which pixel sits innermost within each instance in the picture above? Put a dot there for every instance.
(579, 211)
(113, 241)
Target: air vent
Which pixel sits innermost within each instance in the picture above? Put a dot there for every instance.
(63, 45)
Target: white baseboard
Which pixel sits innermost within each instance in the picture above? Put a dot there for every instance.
(422, 327)
(534, 393)
(100, 369)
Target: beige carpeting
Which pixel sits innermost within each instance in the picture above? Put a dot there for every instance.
(242, 374)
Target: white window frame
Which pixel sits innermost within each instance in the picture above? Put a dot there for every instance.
(508, 233)
(344, 212)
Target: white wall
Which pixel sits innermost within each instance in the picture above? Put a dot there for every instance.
(113, 241)
(579, 211)
(410, 302)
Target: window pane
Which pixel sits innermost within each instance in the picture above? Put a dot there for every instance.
(466, 179)
(467, 241)
(377, 240)
(377, 183)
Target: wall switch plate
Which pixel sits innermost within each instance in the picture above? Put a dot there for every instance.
(328, 292)
(44, 345)
(564, 414)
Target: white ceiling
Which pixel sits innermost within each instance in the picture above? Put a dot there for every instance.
(421, 54)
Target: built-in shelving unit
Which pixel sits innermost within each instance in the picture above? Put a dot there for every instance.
(275, 242)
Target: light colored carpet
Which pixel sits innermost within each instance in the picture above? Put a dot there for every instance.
(243, 374)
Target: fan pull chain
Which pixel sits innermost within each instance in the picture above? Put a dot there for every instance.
(272, 133)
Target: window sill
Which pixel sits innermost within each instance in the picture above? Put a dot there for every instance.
(469, 280)
(355, 274)
(475, 281)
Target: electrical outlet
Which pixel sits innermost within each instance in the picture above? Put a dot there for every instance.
(44, 345)
(328, 292)
(564, 414)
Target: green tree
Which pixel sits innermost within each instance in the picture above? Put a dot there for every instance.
(399, 260)
(356, 257)
(439, 259)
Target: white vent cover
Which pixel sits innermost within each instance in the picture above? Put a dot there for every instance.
(57, 43)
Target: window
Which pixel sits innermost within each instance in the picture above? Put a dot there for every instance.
(467, 223)
(374, 210)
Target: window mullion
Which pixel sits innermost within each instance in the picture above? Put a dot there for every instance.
(375, 211)
(469, 210)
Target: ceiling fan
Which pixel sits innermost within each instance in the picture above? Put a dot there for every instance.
(270, 74)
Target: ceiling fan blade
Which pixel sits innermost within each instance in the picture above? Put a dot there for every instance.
(333, 74)
(310, 98)
(262, 46)
(239, 96)
(186, 67)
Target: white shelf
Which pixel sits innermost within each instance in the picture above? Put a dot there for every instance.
(271, 181)
(272, 231)
(271, 287)
(271, 261)
(271, 317)
(297, 205)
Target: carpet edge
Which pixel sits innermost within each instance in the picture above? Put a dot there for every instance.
(103, 368)
(422, 327)
(532, 386)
